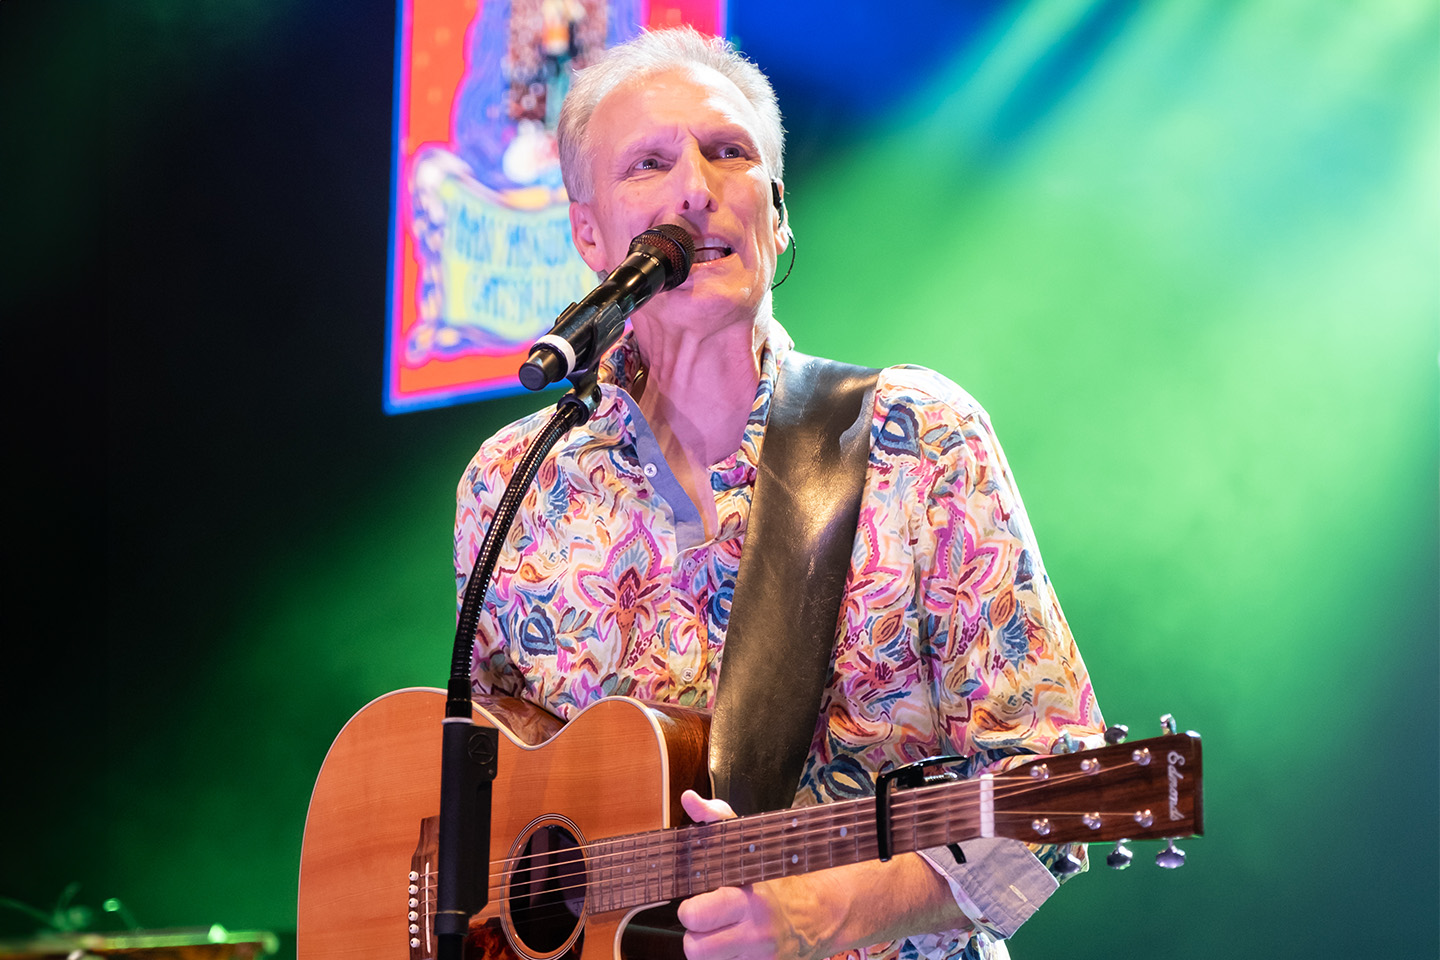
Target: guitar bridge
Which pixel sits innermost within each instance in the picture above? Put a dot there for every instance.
(420, 892)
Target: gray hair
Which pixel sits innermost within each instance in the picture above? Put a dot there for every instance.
(655, 52)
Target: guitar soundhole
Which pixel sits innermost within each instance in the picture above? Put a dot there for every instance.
(547, 892)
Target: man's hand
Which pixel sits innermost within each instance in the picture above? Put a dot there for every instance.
(813, 915)
(753, 921)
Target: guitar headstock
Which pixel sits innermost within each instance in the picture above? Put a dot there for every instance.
(1146, 790)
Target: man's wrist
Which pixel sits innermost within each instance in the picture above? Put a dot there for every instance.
(863, 904)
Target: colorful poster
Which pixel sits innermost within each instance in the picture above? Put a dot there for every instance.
(480, 256)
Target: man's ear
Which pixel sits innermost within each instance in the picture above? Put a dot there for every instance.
(586, 234)
(783, 235)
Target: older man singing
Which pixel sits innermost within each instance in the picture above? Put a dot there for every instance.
(949, 638)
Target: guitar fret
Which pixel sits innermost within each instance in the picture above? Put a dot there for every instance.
(767, 856)
(771, 854)
(615, 867)
(635, 871)
(934, 827)
(839, 839)
(596, 874)
(689, 868)
(665, 875)
(791, 856)
(626, 891)
(648, 867)
(699, 865)
(750, 851)
(620, 855)
(728, 840)
(715, 857)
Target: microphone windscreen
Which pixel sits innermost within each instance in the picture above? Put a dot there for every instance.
(672, 246)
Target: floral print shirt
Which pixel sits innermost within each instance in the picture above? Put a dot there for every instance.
(950, 638)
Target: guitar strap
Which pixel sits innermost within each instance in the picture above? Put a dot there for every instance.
(793, 568)
(786, 603)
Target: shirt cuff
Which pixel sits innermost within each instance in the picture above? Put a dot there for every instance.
(997, 882)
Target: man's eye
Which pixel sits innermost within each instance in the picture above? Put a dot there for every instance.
(649, 163)
(730, 152)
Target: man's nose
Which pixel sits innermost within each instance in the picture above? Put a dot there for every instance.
(693, 174)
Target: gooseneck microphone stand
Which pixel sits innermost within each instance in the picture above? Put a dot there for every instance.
(468, 757)
(659, 260)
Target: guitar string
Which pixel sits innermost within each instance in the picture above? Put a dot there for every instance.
(772, 823)
(632, 891)
(656, 883)
(761, 829)
(820, 819)
(664, 848)
(665, 845)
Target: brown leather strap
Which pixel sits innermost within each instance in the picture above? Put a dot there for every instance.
(788, 591)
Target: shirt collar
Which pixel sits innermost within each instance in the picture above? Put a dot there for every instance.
(619, 368)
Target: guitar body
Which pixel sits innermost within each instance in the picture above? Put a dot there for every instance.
(586, 828)
(367, 861)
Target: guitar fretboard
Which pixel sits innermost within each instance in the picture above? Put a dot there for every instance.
(627, 872)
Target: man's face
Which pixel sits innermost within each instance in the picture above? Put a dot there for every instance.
(679, 147)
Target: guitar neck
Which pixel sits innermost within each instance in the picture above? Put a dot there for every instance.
(1141, 791)
(627, 872)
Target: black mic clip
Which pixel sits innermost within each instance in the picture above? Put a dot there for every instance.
(553, 358)
(659, 260)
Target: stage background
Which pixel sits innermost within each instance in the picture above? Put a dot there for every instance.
(1184, 252)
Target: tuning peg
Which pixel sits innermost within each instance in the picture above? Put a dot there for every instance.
(1170, 857)
(1116, 734)
(1067, 864)
(1120, 857)
(1167, 723)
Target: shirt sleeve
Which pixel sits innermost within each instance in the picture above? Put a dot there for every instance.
(479, 488)
(998, 883)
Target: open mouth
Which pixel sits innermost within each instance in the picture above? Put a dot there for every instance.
(708, 250)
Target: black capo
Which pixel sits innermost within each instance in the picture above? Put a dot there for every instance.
(908, 776)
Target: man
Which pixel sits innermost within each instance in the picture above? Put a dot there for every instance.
(619, 578)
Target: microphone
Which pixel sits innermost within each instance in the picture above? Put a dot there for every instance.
(659, 260)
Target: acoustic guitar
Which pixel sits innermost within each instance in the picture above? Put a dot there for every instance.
(586, 828)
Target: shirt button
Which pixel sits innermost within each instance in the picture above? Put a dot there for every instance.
(687, 674)
(649, 470)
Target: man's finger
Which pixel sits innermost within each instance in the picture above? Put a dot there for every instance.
(706, 912)
(700, 810)
(712, 946)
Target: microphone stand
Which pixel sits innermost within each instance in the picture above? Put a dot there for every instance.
(469, 752)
